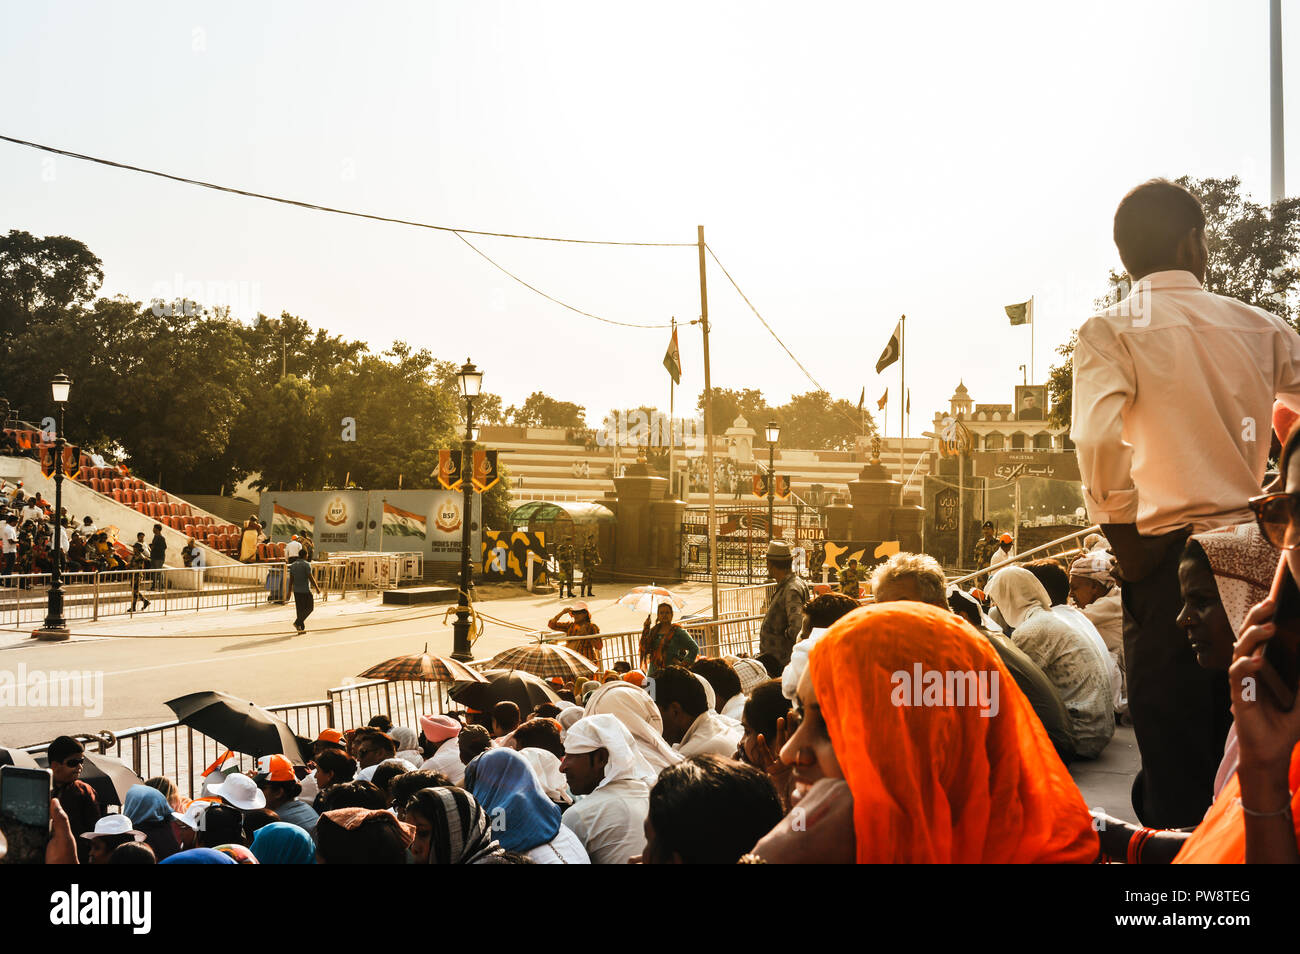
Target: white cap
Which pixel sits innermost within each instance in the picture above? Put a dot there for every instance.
(240, 791)
(192, 817)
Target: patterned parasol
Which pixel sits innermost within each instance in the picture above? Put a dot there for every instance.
(546, 660)
(422, 667)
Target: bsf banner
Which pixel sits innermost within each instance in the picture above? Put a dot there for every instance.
(449, 469)
(782, 489)
(485, 473)
(760, 486)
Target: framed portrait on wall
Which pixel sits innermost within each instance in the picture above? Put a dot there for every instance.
(1031, 402)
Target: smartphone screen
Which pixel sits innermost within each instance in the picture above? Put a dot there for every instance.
(25, 813)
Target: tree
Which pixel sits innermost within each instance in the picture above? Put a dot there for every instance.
(1254, 256)
(41, 278)
(542, 410)
(816, 421)
(729, 405)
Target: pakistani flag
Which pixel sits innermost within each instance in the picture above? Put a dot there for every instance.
(891, 352)
(673, 360)
(285, 522)
(403, 523)
(1021, 314)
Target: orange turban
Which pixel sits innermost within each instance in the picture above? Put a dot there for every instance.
(935, 782)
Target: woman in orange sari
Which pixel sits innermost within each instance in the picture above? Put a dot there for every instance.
(943, 754)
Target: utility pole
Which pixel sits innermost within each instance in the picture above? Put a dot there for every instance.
(708, 440)
(902, 406)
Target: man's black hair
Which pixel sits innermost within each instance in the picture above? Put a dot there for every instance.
(540, 733)
(133, 853)
(1151, 222)
(382, 723)
(354, 794)
(405, 786)
(720, 676)
(826, 609)
(386, 772)
(64, 747)
(506, 715)
(772, 664)
(473, 740)
(374, 842)
(338, 763)
(1054, 579)
(679, 685)
(221, 825)
(765, 705)
(711, 810)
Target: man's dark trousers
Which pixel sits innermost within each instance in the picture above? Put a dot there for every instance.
(304, 603)
(1180, 711)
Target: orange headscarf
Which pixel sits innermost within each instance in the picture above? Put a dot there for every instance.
(942, 783)
(1220, 838)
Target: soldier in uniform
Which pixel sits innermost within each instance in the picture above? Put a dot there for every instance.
(850, 578)
(984, 546)
(590, 560)
(564, 555)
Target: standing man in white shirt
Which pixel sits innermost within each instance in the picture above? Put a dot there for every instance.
(1173, 395)
(8, 544)
(293, 548)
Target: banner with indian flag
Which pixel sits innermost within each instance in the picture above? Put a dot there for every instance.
(285, 522)
(403, 523)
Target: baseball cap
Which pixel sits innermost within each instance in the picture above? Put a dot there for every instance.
(114, 824)
(331, 736)
(1005, 538)
(241, 792)
(274, 768)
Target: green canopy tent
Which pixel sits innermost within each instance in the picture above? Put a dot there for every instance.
(567, 522)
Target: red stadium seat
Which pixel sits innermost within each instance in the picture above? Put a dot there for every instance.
(279, 551)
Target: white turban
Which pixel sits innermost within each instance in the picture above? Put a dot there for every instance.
(752, 674)
(547, 768)
(640, 716)
(606, 732)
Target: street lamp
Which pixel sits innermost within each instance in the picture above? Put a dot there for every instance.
(56, 628)
(471, 380)
(773, 434)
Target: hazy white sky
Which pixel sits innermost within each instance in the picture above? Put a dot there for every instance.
(850, 163)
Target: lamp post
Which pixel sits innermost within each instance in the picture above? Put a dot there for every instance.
(471, 380)
(56, 628)
(773, 434)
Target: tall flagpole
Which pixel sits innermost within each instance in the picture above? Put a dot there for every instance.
(902, 403)
(1276, 126)
(672, 428)
(712, 639)
(1031, 339)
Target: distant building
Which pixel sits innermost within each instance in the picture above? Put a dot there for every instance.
(997, 427)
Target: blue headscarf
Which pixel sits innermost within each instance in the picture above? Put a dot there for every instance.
(505, 785)
(280, 843)
(145, 806)
(199, 856)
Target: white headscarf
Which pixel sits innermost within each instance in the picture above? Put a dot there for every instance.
(408, 743)
(569, 715)
(793, 671)
(1018, 595)
(606, 732)
(752, 674)
(640, 716)
(547, 769)
(710, 697)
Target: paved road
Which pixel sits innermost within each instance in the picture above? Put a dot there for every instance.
(252, 653)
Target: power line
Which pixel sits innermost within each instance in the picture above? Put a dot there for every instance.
(817, 384)
(608, 321)
(325, 208)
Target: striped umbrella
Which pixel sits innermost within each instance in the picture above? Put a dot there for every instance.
(422, 667)
(545, 660)
(646, 599)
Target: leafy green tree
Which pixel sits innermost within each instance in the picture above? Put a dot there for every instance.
(542, 410)
(814, 420)
(40, 278)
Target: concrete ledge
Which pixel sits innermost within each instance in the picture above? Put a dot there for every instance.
(413, 595)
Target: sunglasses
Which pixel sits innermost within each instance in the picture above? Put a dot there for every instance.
(73, 762)
(1276, 515)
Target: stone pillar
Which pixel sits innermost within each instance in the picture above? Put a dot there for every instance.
(666, 518)
(875, 495)
(638, 540)
(839, 517)
(906, 524)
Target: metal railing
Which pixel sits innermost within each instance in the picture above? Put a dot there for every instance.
(1055, 547)
(94, 595)
(744, 599)
(732, 633)
(182, 753)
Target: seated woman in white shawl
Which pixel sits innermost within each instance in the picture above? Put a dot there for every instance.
(1066, 654)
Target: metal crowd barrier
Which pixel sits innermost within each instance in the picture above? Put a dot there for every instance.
(93, 595)
(1057, 547)
(732, 634)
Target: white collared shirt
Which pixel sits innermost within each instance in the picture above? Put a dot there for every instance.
(1173, 402)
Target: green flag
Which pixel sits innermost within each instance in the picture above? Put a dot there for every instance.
(1021, 314)
(673, 360)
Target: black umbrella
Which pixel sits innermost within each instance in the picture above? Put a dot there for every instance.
(504, 685)
(240, 725)
(110, 777)
(17, 758)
